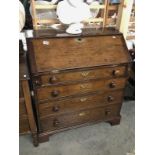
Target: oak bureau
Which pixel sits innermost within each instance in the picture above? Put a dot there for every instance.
(77, 79)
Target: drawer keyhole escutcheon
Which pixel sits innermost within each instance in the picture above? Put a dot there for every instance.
(83, 99)
(45, 42)
(84, 74)
(82, 114)
(79, 40)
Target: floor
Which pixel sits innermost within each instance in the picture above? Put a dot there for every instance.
(99, 139)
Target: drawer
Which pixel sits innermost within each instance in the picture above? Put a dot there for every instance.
(54, 92)
(81, 117)
(100, 72)
(79, 103)
(24, 125)
(22, 107)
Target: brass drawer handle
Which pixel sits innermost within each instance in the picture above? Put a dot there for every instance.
(83, 99)
(112, 85)
(55, 93)
(116, 72)
(107, 112)
(56, 123)
(84, 74)
(110, 98)
(82, 114)
(37, 82)
(53, 79)
(56, 108)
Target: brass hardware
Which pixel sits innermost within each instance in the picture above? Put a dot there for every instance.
(83, 99)
(110, 98)
(83, 86)
(55, 71)
(56, 123)
(107, 112)
(45, 42)
(112, 85)
(56, 108)
(85, 74)
(53, 79)
(37, 82)
(82, 114)
(55, 93)
(79, 40)
(116, 72)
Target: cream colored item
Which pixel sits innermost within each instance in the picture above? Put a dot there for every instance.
(75, 28)
(21, 16)
(94, 12)
(45, 14)
(73, 12)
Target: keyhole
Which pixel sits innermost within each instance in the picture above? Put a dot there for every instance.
(79, 39)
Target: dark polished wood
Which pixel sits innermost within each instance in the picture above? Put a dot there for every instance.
(75, 54)
(80, 117)
(68, 105)
(77, 79)
(53, 92)
(79, 75)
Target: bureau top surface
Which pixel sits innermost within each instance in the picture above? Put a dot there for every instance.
(50, 33)
(61, 53)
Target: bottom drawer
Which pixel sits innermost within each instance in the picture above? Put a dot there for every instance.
(24, 126)
(81, 117)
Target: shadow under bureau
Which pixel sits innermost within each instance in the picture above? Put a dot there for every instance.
(77, 79)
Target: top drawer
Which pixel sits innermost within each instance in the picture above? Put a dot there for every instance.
(76, 52)
(79, 75)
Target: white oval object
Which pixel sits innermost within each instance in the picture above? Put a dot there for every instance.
(75, 28)
(21, 16)
(68, 14)
(94, 12)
